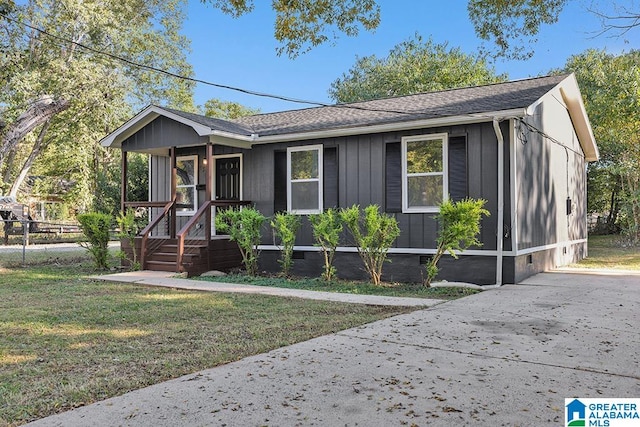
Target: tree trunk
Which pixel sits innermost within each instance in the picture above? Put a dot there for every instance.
(35, 152)
(39, 112)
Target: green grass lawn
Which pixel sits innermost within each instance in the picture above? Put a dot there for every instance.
(608, 252)
(67, 340)
(414, 290)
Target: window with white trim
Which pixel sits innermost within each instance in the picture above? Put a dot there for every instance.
(304, 179)
(424, 172)
(187, 179)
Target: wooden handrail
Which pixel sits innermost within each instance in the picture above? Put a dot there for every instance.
(205, 208)
(146, 204)
(145, 232)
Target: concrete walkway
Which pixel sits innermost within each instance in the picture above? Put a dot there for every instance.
(168, 280)
(508, 356)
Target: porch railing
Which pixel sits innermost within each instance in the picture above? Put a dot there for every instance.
(162, 225)
(200, 225)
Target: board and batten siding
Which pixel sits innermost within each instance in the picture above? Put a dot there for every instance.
(551, 180)
(361, 163)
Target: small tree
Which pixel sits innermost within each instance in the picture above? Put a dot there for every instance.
(129, 229)
(243, 226)
(285, 227)
(459, 226)
(373, 234)
(95, 227)
(327, 227)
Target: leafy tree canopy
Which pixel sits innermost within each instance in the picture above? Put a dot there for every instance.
(513, 25)
(303, 24)
(412, 66)
(61, 91)
(610, 85)
(227, 110)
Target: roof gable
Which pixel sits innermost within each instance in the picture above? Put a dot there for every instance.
(478, 103)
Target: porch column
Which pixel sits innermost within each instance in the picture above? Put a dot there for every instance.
(123, 181)
(208, 190)
(174, 185)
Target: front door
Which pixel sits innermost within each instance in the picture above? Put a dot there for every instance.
(227, 181)
(227, 178)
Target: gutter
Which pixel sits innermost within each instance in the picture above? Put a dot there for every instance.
(500, 221)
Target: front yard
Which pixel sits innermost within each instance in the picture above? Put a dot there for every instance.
(67, 340)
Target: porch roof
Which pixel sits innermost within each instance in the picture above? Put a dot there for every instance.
(478, 103)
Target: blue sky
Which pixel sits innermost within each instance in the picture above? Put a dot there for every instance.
(241, 52)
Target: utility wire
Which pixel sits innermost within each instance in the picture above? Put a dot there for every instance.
(196, 80)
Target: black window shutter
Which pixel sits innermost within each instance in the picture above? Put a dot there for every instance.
(393, 177)
(458, 186)
(279, 181)
(330, 176)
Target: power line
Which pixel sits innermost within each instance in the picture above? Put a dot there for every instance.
(204, 82)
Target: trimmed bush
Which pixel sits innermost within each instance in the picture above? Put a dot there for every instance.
(243, 227)
(96, 226)
(373, 233)
(285, 227)
(459, 226)
(327, 227)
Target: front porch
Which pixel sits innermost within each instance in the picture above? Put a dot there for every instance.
(180, 235)
(193, 249)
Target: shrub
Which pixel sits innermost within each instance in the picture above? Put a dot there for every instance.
(129, 228)
(285, 227)
(374, 233)
(243, 226)
(95, 227)
(459, 226)
(327, 227)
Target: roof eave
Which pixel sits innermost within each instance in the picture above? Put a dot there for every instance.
(392, 127)
(573, 100)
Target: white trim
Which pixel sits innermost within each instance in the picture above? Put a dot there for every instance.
(196, 166)
(500, 191)
(513, 144)
(405, 175)
(150, 113)
(320, 179)
(143, 118)
(391, 127)
(551, 246)
(425, 251)
(398, 251)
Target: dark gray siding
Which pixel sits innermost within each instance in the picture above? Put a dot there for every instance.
(162, 133)
(361, 180)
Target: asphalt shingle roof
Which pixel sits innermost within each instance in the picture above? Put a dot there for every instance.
(446, 103)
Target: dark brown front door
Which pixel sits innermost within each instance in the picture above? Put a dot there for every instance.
(228, 178)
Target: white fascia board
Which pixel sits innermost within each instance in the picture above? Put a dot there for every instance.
(393, 127)
(231, 139)
(143, 118)
(573, 99)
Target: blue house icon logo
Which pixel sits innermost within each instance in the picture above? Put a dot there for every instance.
(576, 414)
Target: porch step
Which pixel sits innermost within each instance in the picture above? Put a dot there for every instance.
(171, 256)
(161, 266)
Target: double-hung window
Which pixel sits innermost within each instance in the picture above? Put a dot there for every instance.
(187, 178)
(424, 172)
(304, 179)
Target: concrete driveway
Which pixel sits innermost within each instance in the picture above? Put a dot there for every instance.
(508, 356)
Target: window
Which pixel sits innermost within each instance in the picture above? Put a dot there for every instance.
(304, 179)
(187, 178)
(424, 175)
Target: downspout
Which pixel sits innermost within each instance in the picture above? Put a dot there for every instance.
(500, 220)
